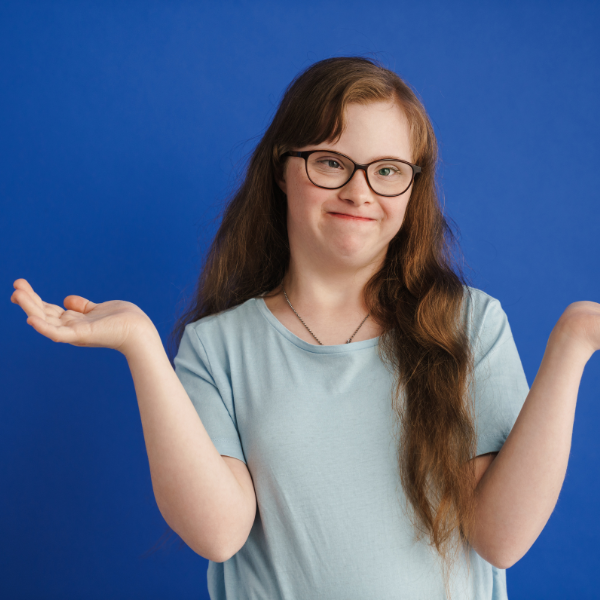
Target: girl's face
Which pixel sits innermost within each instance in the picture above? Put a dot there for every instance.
(317, 228)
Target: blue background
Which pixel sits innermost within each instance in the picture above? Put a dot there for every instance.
(123, 128)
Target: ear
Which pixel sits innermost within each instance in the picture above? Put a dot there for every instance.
(281, 183)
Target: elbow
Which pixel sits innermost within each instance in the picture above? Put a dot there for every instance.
(202, 549)
(508, 559)
(500, 556)
(200, 544)
(219, 558)
(232, 550)
(498, 550)
(500, 560)
(503, 563)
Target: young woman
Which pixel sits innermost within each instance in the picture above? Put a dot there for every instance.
(347, 417)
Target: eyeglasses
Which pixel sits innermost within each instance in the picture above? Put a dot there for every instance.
(332, 170)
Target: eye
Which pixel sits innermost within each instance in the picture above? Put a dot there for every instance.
(330, 163)
(390, 170)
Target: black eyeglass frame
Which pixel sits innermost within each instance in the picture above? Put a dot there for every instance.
(306, 153)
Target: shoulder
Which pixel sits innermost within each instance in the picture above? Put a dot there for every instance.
(481, 311)
(226, 326)
(215, 339)
(478, 299)
(226, 318)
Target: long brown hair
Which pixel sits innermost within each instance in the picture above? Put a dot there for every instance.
(416, 297)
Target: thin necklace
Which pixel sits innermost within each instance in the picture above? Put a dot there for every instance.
(307, 327)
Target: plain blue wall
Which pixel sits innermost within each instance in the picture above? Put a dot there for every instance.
(122, 126)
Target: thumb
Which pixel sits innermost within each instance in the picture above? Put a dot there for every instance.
(79, 304)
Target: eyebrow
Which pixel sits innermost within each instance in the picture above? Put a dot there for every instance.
(367, 163)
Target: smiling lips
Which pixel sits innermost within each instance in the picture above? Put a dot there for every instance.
(351, 217)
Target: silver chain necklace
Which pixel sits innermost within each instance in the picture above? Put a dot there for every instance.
(307, 327)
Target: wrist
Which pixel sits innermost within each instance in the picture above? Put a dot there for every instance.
(566, 340)
(142, 335)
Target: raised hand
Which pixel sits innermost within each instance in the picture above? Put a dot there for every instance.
(580, 324)
(112, 324)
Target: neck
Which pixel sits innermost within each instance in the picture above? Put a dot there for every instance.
(327, 293)
(330, 302)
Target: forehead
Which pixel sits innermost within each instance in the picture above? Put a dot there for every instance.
(374, 130)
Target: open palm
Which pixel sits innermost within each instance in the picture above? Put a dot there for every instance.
(82, 322)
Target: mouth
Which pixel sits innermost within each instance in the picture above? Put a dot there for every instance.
(350, 217)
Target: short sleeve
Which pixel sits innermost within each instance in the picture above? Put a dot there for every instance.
(213, 404)
(500, 383)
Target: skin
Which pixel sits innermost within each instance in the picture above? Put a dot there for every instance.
(331, 260)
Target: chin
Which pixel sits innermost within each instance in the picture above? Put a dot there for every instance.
(351, 256)
(351, 247)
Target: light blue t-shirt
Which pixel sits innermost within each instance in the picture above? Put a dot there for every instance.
(314, 424)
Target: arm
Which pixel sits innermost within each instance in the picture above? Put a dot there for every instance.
(208, 499)
(197, 493)
(520, 488)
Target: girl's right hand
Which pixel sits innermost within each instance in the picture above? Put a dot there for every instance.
(112, 324)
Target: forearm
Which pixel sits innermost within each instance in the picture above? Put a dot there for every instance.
(519, 490)
(195, 490)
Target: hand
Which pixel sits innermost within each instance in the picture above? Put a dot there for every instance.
(580, 324)
(112, 324)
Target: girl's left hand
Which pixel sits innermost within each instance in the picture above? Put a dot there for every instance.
(580, 322)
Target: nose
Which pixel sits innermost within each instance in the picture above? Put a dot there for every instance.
(357, 190)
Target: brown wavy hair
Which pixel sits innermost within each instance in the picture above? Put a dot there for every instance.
(416, 297)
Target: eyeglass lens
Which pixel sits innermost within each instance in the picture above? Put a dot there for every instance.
(387, 177)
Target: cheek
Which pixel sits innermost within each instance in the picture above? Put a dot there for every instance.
(304, 202)
(395, 213)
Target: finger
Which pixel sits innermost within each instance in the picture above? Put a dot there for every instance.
(25, 288)
(27, 303)
(52, 309)
(79, 304)
(55, 333)
(23, 284)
